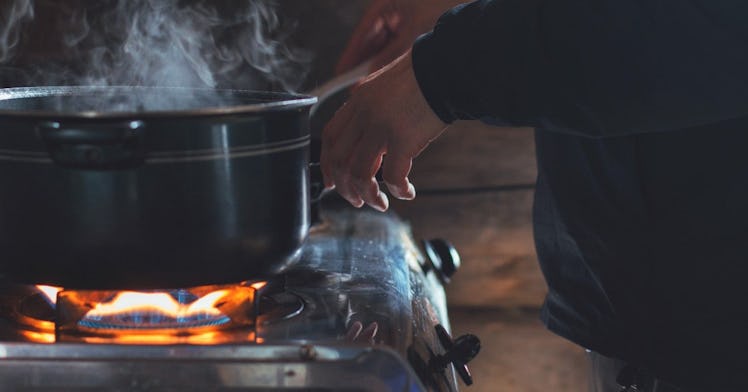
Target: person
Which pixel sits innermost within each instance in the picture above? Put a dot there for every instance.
(640, 110)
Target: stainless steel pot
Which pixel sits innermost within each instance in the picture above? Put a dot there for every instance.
(135, 187)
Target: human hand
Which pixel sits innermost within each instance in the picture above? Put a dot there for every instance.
(389, 28)
(386, 123)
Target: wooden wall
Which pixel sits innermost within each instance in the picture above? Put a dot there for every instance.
(475, 189)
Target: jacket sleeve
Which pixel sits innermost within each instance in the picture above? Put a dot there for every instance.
(591, 67)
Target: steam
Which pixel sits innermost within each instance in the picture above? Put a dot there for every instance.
(12, 16)
(182, 43)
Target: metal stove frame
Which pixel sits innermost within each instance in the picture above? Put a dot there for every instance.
(357, 266)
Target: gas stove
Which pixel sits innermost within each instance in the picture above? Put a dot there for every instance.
(363, 310)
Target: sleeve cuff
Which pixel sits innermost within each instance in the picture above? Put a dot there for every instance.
(428, 78)
(482, 60)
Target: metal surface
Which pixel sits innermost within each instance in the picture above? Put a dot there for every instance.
(340, 83)
(357, 269)
(117, 102)
(107, 368)
(96, 199)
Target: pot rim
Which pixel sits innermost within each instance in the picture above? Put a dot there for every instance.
(271, 101)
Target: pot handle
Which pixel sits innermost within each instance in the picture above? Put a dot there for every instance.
(103, 146)
(339, 83)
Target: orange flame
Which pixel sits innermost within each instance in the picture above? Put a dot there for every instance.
(131, 301)
(39, 337)
(111, 316)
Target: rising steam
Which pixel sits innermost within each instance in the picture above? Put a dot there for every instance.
(12, 15)
(198, 43)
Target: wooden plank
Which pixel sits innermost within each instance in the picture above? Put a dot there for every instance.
(470, 154)
(519, 354)
(493, 234)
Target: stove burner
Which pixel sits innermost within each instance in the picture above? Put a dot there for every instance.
(356, 312)
(216, 314)
(204, 314)
(177, 309)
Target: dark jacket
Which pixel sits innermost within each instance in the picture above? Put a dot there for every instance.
(641, 211)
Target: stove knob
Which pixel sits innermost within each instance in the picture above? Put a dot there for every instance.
(458, 352)
(442, 258)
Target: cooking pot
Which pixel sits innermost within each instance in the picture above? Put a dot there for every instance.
(139, 187)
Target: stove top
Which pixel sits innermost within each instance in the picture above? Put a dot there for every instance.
(364, 310)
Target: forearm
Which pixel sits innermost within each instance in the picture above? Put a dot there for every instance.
(598, 68)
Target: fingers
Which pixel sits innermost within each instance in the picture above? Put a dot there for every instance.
(330, 135)
(335, 162)
(350, 160)
(386, 123)
(354, 160)
(344, 138)
(397, 166)
(366, 160)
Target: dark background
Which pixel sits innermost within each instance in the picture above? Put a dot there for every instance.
(319, 28)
